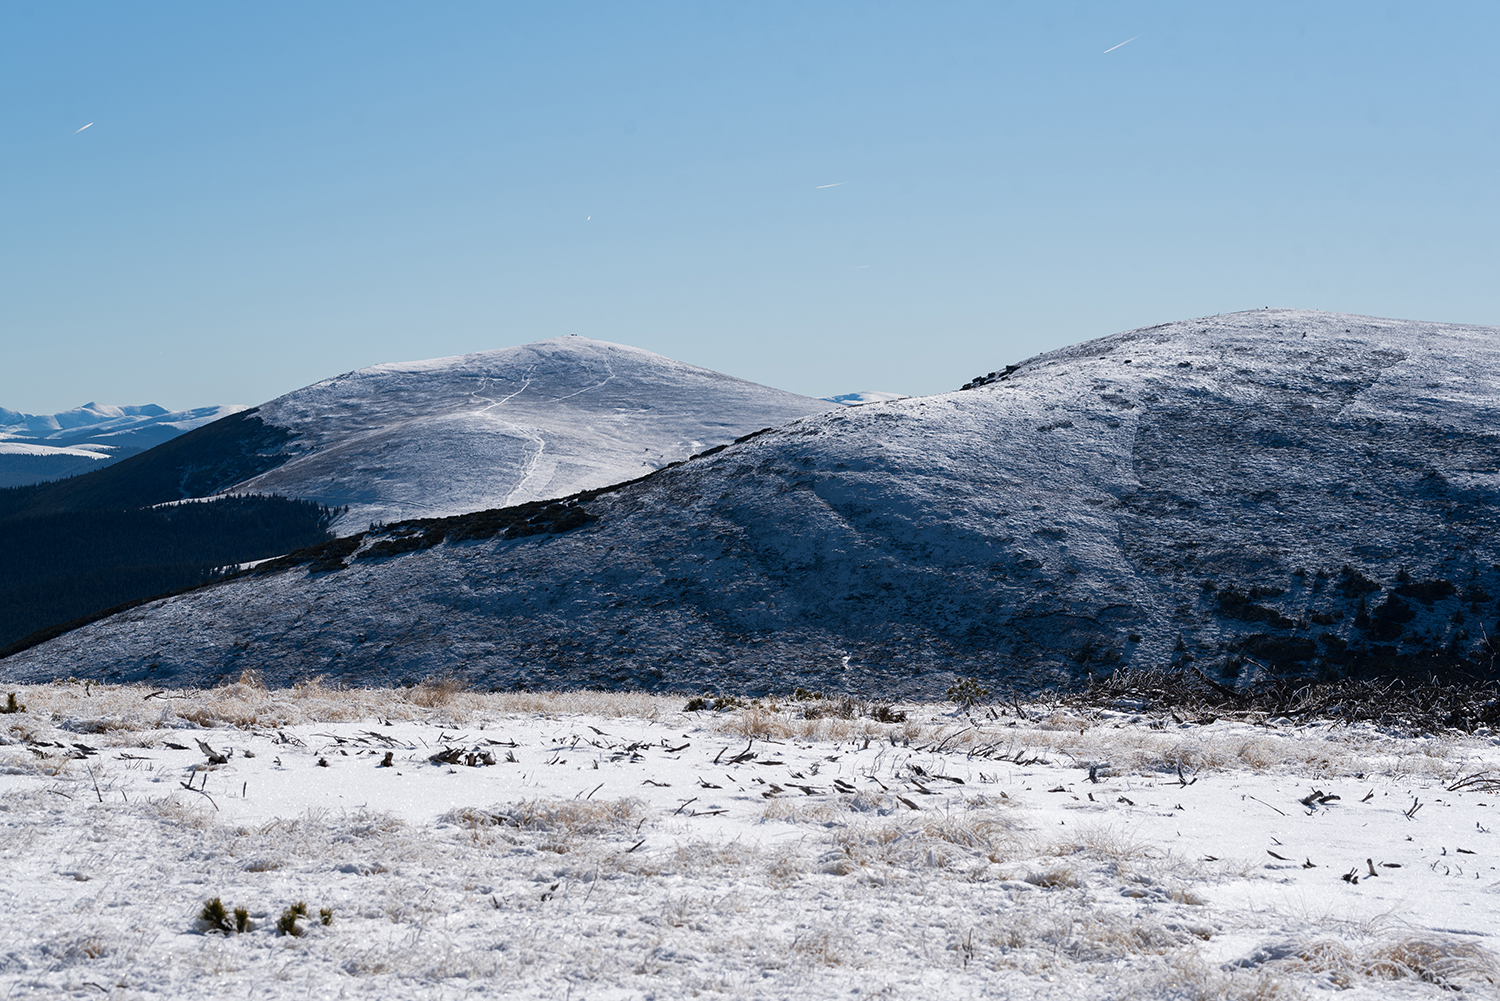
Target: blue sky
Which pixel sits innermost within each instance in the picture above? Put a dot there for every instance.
(271, 194)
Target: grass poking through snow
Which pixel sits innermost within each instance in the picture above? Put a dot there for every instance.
(617, 845)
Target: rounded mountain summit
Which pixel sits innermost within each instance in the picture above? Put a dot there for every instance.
(1277, 492)
(496, 428)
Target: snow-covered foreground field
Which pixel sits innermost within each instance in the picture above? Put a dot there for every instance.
(619, 847)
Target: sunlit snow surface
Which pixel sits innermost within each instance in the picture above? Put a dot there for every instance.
(1055, 524)
(618, 847)
(450, 435)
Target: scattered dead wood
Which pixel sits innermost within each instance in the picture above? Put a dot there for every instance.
(473, 758)
(214, 757)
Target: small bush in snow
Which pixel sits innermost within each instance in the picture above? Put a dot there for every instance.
(718, 703)
(215, 916)
(287, 923)
(967, 692)
(11, 705)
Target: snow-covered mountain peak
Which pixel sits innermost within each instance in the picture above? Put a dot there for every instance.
(559, 357)
(554, 369)
(448, 435)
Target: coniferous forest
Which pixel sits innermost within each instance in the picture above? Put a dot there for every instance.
(57, 566)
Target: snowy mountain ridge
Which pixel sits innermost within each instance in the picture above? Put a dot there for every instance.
(1278, 492)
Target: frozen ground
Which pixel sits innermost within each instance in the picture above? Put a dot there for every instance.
(619, 847)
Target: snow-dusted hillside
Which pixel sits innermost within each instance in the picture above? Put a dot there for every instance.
(450, 435)
(1185, 494)
(35, 448)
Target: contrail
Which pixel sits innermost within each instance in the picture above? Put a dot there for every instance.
(1126, 42)
(834, 185)
(76, 131)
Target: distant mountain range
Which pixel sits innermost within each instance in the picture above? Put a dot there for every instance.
(1265, 494)
(35, 448)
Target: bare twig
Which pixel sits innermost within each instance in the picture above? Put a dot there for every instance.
(1482, 781)
(1264, 803)
(188, 785)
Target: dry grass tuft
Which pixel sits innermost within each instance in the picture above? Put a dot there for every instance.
(796, 811)
(970, 844)
(18, 761)
(822, 946)
(180, 813)
(1188, 978)
(1089, 933)
(1105, 844)
(990, 837)
(435, 693)
(1448, 964)
(591, 702)
(1054, 877)
(560, 816)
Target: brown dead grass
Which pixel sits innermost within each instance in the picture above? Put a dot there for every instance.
(1448, 964)
(1104, 843)
(562, 816)
(246, 703)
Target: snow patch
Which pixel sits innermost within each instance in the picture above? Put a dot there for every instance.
(731, 854)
